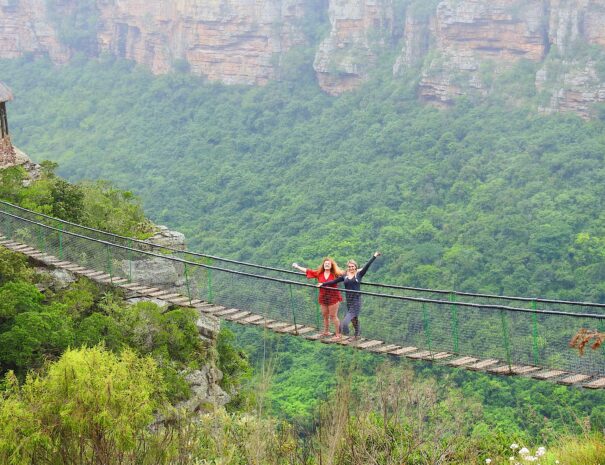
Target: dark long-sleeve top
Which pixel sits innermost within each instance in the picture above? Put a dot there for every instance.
(354, 283)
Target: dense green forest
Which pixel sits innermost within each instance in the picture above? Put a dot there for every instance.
(487, 197)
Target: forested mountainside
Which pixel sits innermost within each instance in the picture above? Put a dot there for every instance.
(491, 197)
(448, 48)
(90, 377)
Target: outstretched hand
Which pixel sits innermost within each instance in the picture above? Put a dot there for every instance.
(377, 254)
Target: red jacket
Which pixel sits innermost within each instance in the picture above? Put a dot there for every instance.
(326, 296)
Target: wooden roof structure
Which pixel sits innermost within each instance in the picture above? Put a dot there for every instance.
(5, 93)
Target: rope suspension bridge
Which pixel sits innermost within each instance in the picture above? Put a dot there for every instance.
(481, 332)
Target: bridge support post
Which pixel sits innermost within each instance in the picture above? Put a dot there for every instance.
(318, 311)
(506, 339)
(41, 242)
(292, 309)
(454, 314)
(427, 329)
(60, 241)
(209, 285)
(109, 270)
(187, 283)
(130, 247)
(535, 334)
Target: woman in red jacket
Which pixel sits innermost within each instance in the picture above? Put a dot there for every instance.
(328, 299)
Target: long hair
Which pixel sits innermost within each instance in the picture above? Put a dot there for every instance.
(334, 269)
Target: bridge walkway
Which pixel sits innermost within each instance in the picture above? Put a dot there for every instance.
(243, 317)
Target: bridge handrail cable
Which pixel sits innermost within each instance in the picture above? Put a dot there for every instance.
(297, 283)
(295, 273)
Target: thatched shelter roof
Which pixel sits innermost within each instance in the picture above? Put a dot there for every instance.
(5, 93)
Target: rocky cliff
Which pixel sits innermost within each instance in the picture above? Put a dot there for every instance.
(235, 41)
(453, 47)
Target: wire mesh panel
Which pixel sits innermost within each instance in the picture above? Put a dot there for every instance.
(514, 335)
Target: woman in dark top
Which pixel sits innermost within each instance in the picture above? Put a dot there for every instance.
(352, 281)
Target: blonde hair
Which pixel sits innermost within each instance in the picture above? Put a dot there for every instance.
(334, 269)
(353, 262)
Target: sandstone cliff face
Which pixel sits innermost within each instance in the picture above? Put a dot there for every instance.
(359, 28)
(233, 41)
(470, 33)
(24, 27)
(457, 46)
(571, 79)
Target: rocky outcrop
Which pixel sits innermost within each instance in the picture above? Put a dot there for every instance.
(206, 394)
(570, 79)
(416, 41)
(576, 89)
(359, 30)
(470, 33)
(227, 40)
(233, 41)
(20, 158)
(26, 28)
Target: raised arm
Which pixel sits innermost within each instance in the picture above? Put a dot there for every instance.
(298, 267)
(365, 268)
(340, 279)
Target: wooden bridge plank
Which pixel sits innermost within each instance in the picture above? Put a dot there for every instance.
(573, 379)
(237, 316)
(403, 351)
(23, 248)
(149, 290)
(180, 301)
(502, 370)
(549, 374)
(482, 365)
(419, 355)
(350, 341)
(523, 370)
(462, 361)
(93, 274)
(168, 297)
(316, 337)
(159, 293)
(598, 383)
(277, 325)
(431, 356)
(250, 319)
(212, 310)
(263, 322)
(369, 344)
(385, 348)
(226, 311)
(286, 329)
(304, 330)
(332, 339)
(133, 287)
